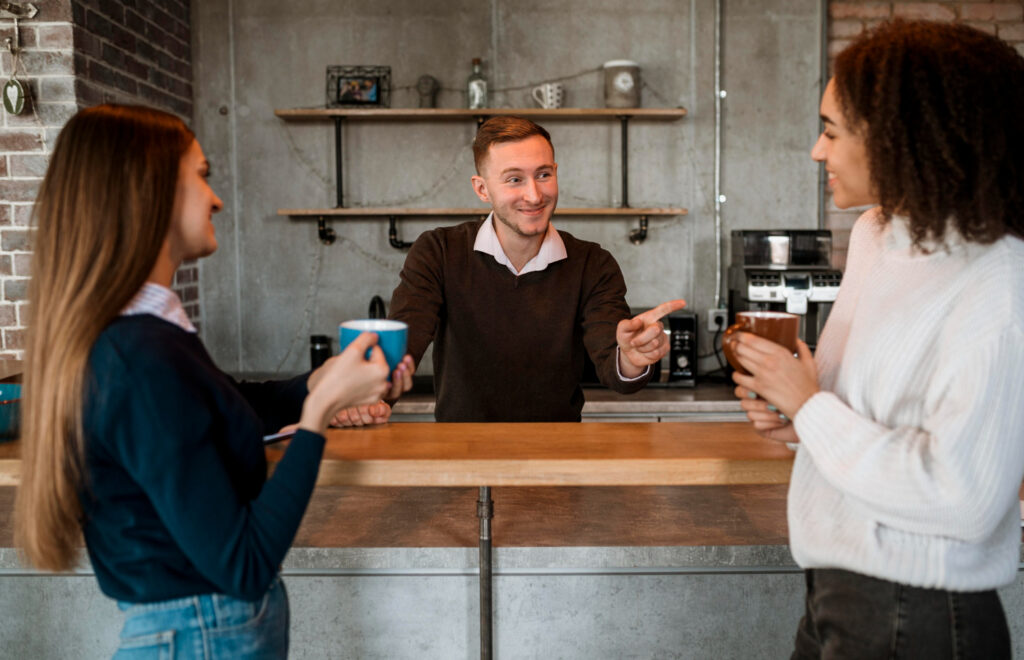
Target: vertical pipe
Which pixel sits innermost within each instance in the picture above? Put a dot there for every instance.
(485, 511)
(718, 152)
(339, 186)
(823, 54)
(625, 161)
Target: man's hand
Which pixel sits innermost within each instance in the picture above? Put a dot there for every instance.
(376, 413)
(642, 338)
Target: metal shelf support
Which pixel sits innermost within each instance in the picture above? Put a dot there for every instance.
(323, 232)
(338, 158)
(393, 235)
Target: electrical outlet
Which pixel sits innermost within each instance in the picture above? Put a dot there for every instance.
(717, 319)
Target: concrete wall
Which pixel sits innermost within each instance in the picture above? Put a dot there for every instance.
(272, 284)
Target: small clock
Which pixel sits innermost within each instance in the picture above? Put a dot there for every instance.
(623, 81)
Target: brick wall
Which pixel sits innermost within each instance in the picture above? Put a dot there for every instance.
(849, 18)
(46, 70)
(78, 53)
(138, 51)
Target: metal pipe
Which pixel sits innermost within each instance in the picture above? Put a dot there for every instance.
(339, 186)
(393, 239)
(485, 511)
(719, 95)
(625, 160)
(823, 54)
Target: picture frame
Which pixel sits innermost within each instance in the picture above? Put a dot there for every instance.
(358, 86)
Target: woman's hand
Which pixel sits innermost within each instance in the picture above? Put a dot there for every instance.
(777, 377)
(380, 412)
(766, 418)
(344, 381)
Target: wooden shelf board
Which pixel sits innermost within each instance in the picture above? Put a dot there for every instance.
(368, 212)
(434, 114)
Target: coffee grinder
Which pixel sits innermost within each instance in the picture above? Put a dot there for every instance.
(786, 270)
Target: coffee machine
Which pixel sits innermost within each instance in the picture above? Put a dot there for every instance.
(786, 270)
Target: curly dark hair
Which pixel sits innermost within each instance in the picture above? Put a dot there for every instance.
(939, 105)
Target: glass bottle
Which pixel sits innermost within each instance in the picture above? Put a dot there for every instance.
(476, 87)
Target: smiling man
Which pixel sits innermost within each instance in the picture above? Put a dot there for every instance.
(513, 305)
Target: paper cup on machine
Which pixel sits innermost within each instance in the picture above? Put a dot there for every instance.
(392, 337)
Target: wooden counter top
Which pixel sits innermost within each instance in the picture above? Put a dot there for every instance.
(571, 454)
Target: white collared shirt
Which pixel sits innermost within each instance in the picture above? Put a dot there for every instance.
(161, 302)
(552, 249)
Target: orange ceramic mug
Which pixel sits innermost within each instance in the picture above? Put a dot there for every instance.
(779, 327)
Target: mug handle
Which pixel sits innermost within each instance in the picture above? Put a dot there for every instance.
(538, 99)
(727, 339)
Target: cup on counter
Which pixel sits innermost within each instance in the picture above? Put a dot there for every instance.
(549, 95)
(392, 337)
(779, 327)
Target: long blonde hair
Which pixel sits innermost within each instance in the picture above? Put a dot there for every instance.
(102, 214)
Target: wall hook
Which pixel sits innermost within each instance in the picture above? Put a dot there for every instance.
(19, 10)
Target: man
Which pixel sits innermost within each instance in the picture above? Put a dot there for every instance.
(512, 305)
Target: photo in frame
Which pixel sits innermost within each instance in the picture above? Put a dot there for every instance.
(358, 86)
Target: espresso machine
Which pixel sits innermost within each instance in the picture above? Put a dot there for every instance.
(785, 270)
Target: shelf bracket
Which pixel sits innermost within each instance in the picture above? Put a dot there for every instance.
(638, 235)
(393, 235)
(325, 233)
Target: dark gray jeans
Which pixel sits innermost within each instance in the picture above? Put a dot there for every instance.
(849, 615)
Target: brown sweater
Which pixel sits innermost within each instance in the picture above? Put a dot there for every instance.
(510, 348)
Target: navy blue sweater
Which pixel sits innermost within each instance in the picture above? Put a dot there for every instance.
(176, 500)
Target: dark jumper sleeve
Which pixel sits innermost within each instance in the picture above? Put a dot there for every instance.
(603, 306)
(277, 402)
(418, 300)
(170, 440)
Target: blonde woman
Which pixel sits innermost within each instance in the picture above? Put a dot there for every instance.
(131, 435)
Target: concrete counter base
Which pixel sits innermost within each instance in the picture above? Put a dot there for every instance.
(693, 572)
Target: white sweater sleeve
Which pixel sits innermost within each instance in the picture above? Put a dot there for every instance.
(950, 476)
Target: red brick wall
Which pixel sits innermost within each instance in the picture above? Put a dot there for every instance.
(849, 18)
(78, 53)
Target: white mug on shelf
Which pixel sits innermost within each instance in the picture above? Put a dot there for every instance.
(549, 95)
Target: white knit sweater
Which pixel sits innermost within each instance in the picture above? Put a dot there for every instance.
(912, 454)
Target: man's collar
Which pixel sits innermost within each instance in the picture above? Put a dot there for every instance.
(552, 249)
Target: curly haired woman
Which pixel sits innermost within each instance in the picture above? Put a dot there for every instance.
(910, 418)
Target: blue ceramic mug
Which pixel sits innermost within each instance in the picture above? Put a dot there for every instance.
(392, 336)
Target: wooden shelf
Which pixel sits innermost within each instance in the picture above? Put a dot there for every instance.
(435, 114)
(386, 211)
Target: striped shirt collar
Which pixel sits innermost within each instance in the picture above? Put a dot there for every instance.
(162, 303)
(551, 250)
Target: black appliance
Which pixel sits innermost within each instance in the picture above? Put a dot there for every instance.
(788, 270)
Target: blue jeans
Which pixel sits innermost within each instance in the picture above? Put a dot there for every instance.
(208, 627)
(849, 615)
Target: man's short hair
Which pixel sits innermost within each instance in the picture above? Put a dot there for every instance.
(504, 128)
